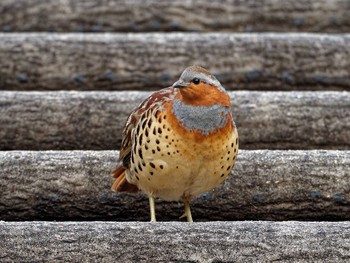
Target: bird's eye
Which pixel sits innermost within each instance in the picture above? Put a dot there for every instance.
(196, 81)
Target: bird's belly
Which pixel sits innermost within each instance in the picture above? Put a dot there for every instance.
(172, 166)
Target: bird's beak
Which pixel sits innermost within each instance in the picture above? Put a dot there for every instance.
(180, 84)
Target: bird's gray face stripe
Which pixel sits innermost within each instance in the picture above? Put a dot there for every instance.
(188, 75)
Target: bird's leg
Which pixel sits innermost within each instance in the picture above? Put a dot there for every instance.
(187, 213)
(152, 207)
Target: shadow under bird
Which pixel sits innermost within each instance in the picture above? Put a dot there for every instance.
(180, 142)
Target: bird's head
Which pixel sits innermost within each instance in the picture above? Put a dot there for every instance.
(198, 87)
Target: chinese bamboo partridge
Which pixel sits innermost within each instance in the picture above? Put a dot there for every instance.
(180, 142)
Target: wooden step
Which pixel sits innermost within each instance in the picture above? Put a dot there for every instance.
(94, 120)
(264, 185)
(152, 61)
(175, 242)
(175, 15)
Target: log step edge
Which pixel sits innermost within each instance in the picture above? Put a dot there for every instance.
(175, 242)
(94, 120)
(264, 185)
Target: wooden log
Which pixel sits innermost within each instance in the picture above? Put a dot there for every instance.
(152, 61)
(175, 242)
(264, 185)
(94, 120)
(151, 15)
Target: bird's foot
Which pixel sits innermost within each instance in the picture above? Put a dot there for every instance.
(187, 212)
(152, 208)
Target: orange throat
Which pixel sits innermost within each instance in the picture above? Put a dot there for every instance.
(204, 116)
(194, 95)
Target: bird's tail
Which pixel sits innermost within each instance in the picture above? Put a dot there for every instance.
(121, 184)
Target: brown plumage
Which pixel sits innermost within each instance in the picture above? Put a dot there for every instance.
(180, 142)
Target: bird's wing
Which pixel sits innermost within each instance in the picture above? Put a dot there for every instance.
(155, 99)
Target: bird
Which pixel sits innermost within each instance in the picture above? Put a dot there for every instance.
(180, 142)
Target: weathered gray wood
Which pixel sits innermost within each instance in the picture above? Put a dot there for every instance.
(264, 185)
(94, 120)
(178, 15)
(152, 61)
(175, 242)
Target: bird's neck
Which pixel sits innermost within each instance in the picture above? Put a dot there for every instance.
(204, 119)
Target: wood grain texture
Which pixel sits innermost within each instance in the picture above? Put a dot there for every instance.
(152, 15)
(94, 120)
(264, 185)
(175, 242)
(152, 61)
